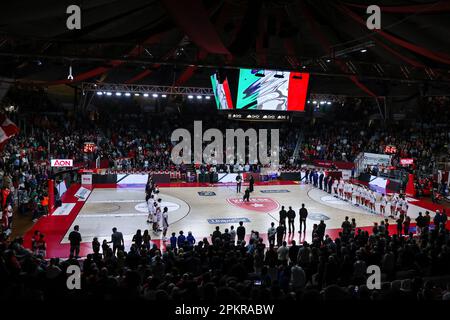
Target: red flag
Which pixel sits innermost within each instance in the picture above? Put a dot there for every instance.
(7, 130)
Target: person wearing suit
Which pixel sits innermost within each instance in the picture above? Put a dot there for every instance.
(321, 176)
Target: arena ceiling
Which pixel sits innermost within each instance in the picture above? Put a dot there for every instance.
(181, 43)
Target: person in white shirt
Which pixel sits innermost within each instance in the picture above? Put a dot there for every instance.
(364, 197)
(283, 254)
(350, 192)
(158, 216)
(393, 205)
(399, 206)
(232, 235)
(335, 186)
(357, 195)
(368, 199)
(341, 189)
(151, 210)
(155, 218)
(271, 233)
(346, 190)
(373, 199)
(383, 204)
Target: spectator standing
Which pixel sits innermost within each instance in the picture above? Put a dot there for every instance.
(420, 223)
(146, 239)
(137, 239)
(181, 239)
(232, 235)
(303, 213)
(240, 232)
(321, 229)
(75, 241)
(283, 216)
(271, 233)
(283, 254)
(190, 239)
(95, 245)
(117, 241)
(173, 241)
(281, 231)
(216, 234)
(291, 220)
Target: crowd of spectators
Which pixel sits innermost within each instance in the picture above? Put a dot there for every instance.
(226, 267)
(345, 142)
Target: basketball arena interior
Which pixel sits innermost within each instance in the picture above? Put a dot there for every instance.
(225, 151)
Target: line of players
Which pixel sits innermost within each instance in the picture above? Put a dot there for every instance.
(157, 216)
(364, 197)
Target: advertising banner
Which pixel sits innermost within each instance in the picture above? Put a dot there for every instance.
(86, 179)
(373, 159)
(406, 161)
(337, 164)
(58, 163)
(82, 194)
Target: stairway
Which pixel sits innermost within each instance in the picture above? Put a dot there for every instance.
(298, 146)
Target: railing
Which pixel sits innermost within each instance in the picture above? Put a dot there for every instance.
(298, 145)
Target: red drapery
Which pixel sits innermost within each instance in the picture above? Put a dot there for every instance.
(440, 57)
(326, 44)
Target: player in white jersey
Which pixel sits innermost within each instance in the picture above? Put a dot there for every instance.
(398, 207)
(366, 198)
(346, 191)
(361, 195)
(158, 218)
(383, 204)
(358, 195)
(151, 210)
(350, 192)
(369, 199)
(154, 217)
(373, 199)
(393, 205)
(341, 188)
(335, 186)
(158, 204)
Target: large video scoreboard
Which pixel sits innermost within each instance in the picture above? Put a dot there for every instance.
(263, 90)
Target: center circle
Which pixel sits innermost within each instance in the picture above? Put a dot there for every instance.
(171, 206)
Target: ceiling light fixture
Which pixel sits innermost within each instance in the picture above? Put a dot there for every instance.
(70, 76)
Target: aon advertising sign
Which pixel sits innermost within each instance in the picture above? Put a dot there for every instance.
(61, 163)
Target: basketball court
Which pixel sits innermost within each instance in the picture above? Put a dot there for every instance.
(195, 207)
